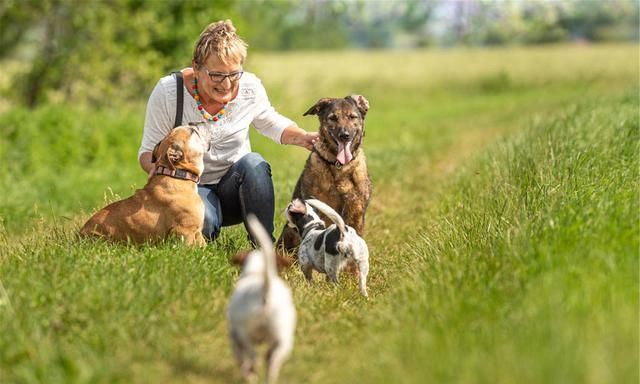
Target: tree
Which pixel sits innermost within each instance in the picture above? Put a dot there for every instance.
(94, 51)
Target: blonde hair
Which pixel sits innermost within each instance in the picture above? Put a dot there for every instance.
(220, 39)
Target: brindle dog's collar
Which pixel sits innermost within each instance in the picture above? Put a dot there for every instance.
(336, 163)
(178, 174)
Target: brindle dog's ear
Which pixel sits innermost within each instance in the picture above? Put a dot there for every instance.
(360, 102)
(319, 106)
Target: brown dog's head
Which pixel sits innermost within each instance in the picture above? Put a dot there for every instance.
(341, 124)
(182, 148)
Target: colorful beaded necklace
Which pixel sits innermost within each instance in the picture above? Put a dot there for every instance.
(205, 114)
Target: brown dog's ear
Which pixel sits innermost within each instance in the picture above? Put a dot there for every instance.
(240, 257)
(361, 102)
(319, 106)
(174, 154)
(155, 154)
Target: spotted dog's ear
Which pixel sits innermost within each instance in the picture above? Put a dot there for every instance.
(361, 102)
(297, 206)
(319, 106)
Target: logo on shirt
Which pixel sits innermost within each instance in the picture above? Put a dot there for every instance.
(247, 93)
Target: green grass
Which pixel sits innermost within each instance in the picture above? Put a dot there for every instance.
(503, 231)
(527, 270)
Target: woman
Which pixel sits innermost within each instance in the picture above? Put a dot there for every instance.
(216, 90)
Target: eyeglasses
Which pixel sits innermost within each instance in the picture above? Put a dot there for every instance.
(218, 77)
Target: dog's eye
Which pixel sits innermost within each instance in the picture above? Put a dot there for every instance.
(333, 117)
(353, 117)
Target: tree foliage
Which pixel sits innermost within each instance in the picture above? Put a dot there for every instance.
(539, 21)
(97, 51)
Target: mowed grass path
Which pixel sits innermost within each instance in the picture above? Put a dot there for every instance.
(503, 231)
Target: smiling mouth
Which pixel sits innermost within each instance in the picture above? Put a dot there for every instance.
(222, 90)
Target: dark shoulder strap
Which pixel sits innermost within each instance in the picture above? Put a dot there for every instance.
(180, 95)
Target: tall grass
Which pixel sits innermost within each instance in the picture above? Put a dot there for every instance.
(512, 263)
(527, 271)
(59, 160)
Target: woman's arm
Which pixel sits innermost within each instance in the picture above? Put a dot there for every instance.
(145, 162)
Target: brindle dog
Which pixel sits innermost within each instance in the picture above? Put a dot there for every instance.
(336, 170)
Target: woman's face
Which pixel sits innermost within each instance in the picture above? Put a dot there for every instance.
(218, 81)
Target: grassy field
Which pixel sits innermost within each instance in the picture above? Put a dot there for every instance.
(503, 231)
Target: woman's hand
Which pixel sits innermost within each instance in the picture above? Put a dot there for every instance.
(297, 136)
(308, 140)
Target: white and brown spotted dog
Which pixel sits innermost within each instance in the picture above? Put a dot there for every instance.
(327, 249)
(168, 205)
(261, 309)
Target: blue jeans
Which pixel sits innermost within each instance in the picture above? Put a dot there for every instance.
(246, 188)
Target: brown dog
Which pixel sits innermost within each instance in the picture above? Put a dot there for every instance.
(168, 204)
(336, 170)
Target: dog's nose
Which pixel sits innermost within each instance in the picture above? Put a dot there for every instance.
(344, 135)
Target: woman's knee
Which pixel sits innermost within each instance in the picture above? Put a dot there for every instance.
(254, 165)
(212, 212)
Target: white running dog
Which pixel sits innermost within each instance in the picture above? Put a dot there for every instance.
(327, 250)
(261, 309)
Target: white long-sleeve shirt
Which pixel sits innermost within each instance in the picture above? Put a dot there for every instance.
(228, 137)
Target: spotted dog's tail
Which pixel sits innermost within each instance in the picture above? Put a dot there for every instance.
(266, 246)
(330, 213)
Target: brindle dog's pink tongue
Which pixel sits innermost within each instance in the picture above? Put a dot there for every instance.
(344, 155)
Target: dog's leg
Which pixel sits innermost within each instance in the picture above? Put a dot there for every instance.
(332, 266)
(363, 266)
(332, 276)
(245, 356)
(307, 270)
(353, 268)
(275, 357)
(289, 241)
(354, 213)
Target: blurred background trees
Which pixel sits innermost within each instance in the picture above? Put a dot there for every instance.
(95, 51)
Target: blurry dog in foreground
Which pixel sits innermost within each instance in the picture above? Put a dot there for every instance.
(261, 309)
(327, 250)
